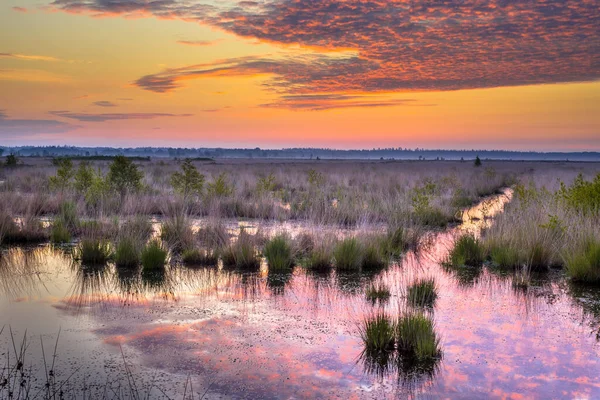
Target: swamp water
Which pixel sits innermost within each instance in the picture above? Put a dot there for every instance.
(214, 333)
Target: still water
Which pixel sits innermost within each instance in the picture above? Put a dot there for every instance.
(216, 333)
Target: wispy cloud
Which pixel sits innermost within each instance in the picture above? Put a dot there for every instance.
(104, 103)
(28, 57)
(89, 117)
(20, 9)
(18, 127)
(199, 43)
(319, 102)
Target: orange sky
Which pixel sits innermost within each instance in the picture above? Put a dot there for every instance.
(282, 73)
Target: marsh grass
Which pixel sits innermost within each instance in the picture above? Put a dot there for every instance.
(348, 255)
(195, 257)
(59, 233)
(213, 235)
(503, 255)
(242, 253)
(583, 264)
(374, 257)
(378, 333)
(176, 232)
(417, 340)
(127, 253)
(422, 293)
(92, 251)
(377, 292)
(154, 256)
(467, 251)
(279, 254)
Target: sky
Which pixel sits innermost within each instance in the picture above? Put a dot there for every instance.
(454, 74)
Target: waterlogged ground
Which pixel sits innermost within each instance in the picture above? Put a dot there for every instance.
(227, 334)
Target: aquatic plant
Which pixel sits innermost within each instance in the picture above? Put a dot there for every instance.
(127, 253)
(319, 259)
(176, 232)
(199, 257)
(467, 251)
(242, 253)
(348, 255)
(154, 256)
(278, 252)
(213, 235)
(504, 255)
(377, 292)
(93, 251)
(378, 333)
(416, 339)
(373, 256)
(422, 293)
(583, 264)
(59, 233)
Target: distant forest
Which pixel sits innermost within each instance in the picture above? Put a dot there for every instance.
(296, 153)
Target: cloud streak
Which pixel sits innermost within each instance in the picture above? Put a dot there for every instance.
(104, 103)
(88, 117)
(395, 45)
(28, 57)
(198, 43)
(19, 127)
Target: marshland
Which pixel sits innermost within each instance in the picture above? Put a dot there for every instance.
(200, 278)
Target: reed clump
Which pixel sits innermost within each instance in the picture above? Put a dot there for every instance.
(422, 293)
(467, 251)
(279, 254)
(196, 256)
(583, 264)
(242, 253)
(93, 251)
(154, 256)
(127, 253)
(348, 255)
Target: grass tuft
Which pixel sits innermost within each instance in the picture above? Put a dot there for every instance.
(378, 333)
(60, 234)
(93, 251)
(467, 251)
(348, 255)
(278, 253)
(583, 265)
(242, 253)
(417, 340)
(422, 293)
(199, 257)
(154, 256)
(127, 253)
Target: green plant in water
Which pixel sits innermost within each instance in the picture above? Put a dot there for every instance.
(373, 257)
(467, 251)
(422, 293)
(417, 340)
(348, 255)
(199, 257)
(378, 333)
(93, 251)
(583, 265)
(242, 253)
(377, 292)
(505, 256)
(127, 253)
(60, 234)
(278, 253)
(319, 259)
(154, 256)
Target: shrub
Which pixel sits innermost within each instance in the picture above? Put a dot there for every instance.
(199, 257)
(93, 251)
(467, 251)
(59, 233)
(582, 195)
(64, 173)
(68, 215)
(377, 292)
(189, 181)
(127, 253)
(84, 177)
(348, 255)
(417, 340)
(124, 176)
(219, 187)
(278, 253)
(11, 160)
(583, 265)
(378, 333)
(422, 293)
(153, 256)
(477, 162)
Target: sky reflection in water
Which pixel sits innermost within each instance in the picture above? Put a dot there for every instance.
(296, 335)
